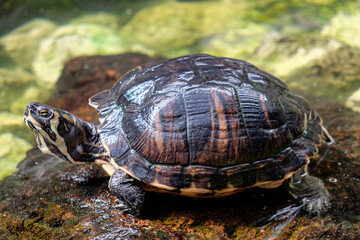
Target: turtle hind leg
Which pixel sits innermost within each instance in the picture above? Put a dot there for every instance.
(128, 191)
(310, 191)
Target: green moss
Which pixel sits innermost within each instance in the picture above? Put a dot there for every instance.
(71, 41)
(163, 235)
(336, 75)
(235, 43)
(38, 230)
(314, 12)
(18, 89)
(14, 123)
(22, 43)
(344, 27)
(102, 18)
(313, 64)
(177, 25)
(11, 153)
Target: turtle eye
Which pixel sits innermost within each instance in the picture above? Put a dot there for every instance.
(44, 113)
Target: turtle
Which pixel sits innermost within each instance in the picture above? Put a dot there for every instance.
(196, 126)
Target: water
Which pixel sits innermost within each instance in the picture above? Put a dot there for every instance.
(311, 45)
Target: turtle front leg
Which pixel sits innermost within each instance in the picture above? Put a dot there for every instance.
(128, 191)
(310, 191)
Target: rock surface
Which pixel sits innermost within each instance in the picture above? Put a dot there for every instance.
(235, 43)
(22, 43)
(102, 18)
(171, 26)
(353, 102)
(14, 124)
(12, 151)
(344, 27)
(317, 65)
(51, 199)
(69, 41)
(17, 87)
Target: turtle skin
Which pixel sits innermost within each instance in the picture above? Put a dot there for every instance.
(205, 126)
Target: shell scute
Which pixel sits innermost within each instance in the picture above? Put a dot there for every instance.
(134, 165)
(157, 130)
(205, 177)
(172, 176)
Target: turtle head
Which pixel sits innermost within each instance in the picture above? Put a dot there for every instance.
(63, 135)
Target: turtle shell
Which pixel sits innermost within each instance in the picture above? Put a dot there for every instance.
(201, 125)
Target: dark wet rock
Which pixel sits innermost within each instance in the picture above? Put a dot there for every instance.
(46, 199)
(51, 199)
(97, 70)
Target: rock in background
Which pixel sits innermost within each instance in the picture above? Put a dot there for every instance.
(345, 27)
(314, 64)
(23, 43)
(71, 41)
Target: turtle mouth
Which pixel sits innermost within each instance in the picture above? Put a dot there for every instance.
(29, 120)
(30, 124)
(33, 125)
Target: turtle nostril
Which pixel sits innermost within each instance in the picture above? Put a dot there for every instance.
(33, 106)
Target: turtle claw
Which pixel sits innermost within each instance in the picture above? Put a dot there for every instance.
(126, 189)
(122, 206)
(317, 204)
(284, 216)
(310, 191)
